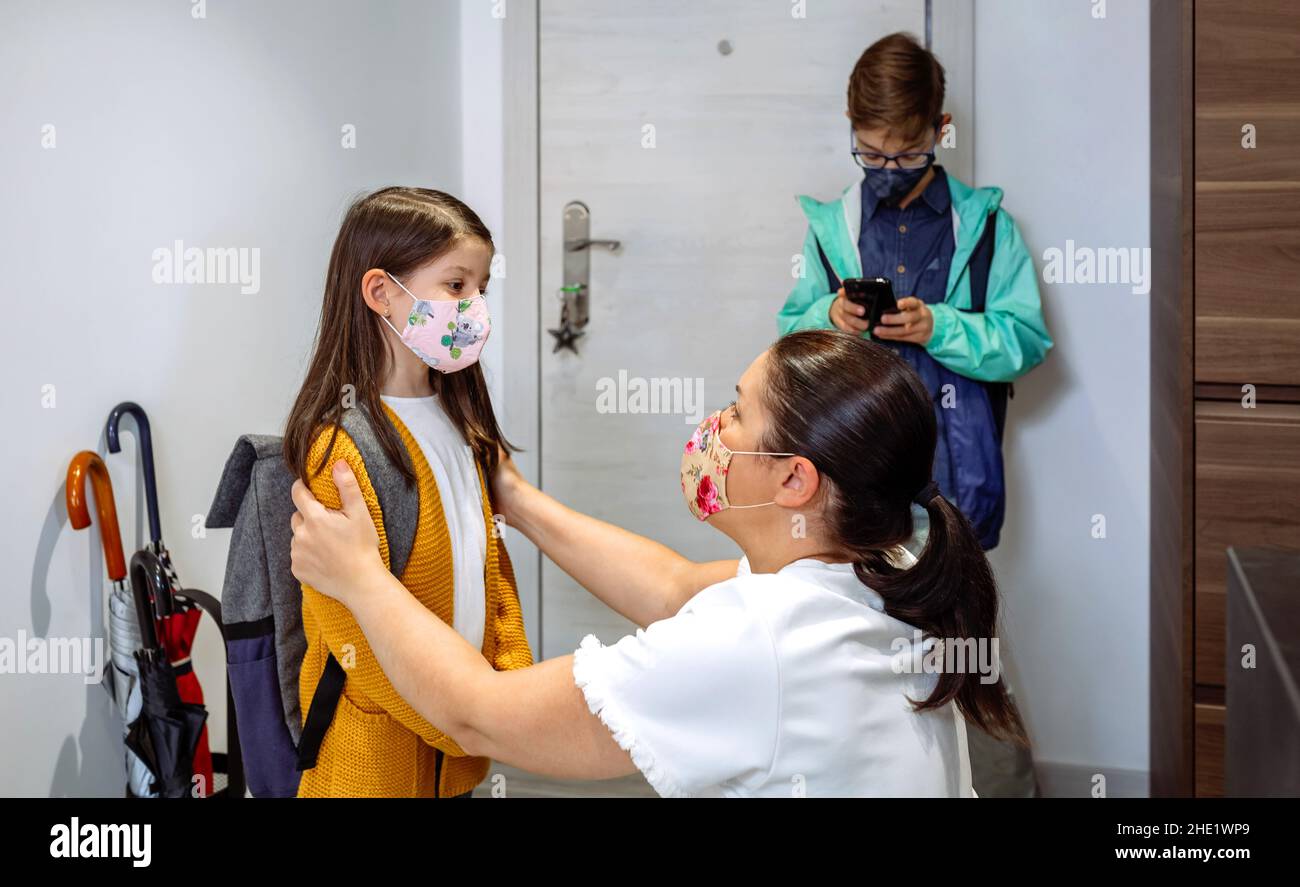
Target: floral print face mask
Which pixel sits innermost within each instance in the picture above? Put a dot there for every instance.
(446, 334)
(704, 469)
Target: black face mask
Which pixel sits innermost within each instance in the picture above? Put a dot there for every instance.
(891, 185)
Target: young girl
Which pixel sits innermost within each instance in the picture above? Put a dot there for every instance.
(803, 669)
(401, 328)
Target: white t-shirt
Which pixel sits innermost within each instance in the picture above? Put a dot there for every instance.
(778, 685)
(453, 467)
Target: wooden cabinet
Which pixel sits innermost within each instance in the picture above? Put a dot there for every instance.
(1247, 494)
(1226, 410)
(1247, 205)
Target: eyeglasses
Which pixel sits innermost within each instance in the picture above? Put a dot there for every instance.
(877, 160)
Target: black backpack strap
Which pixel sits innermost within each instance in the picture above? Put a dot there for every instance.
(832, 279)
(321, 712)
(981, 261)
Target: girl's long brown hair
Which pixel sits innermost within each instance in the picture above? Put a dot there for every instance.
(863, 417)
(399, 230)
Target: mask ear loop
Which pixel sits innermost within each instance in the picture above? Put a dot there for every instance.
(414, 298)
(753, 453)
(409, 293)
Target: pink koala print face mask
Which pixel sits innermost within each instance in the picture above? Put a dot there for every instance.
(448, 335)
(705, 463)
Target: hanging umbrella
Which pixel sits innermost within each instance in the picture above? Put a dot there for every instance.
(180, 615)
(123, 629)
(168, 729)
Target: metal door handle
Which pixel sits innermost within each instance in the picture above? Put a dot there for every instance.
(575, 292)
(574, 245)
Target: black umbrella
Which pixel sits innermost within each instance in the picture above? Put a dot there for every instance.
(167, 731)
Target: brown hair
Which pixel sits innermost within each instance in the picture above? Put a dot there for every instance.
(863, 417)
(897, 83)
(399, 230)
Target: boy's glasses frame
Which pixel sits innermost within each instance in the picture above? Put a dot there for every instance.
(879, 160)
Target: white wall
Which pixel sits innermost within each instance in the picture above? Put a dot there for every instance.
(1061, 110)
(482, 96)
(218, 132)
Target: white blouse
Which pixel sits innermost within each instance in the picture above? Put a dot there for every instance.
(782, 684)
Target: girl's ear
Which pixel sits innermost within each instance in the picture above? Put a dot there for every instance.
(374, 290)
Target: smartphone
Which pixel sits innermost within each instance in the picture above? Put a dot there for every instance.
(876, 294)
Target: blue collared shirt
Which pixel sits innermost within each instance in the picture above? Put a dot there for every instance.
(913, 247)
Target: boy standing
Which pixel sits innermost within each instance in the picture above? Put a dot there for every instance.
(969, 321)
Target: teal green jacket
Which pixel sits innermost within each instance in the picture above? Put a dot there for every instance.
(1004, 342)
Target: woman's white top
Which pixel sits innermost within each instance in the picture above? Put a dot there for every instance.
(454, 469)
(784, 684)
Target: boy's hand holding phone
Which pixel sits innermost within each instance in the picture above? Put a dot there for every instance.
(863, 304)
(913, 322)
(848, 315)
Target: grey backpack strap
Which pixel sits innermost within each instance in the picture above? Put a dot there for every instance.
(399, 504)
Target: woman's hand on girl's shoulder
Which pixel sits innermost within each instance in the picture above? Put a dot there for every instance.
(333, 550)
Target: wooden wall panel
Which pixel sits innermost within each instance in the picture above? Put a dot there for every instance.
(1210, 721)
(1247, 200)
(1247, 494)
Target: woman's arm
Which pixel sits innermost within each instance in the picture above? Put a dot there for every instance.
(535, 718)
(635, 576)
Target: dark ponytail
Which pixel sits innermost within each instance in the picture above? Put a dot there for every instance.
(865, 420)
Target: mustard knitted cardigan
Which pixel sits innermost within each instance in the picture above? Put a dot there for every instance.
(377, 745)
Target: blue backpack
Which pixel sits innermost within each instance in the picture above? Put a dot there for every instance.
(968, 453)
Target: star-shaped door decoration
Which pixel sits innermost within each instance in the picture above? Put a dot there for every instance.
(566, 337)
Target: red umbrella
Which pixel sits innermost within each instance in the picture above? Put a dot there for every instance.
(176, 632)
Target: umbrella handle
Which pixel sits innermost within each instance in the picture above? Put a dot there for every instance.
(145, 439)
(89, 464)
(166, 605)
(147, 579)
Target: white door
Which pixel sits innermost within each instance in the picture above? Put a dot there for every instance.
(687, 128)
